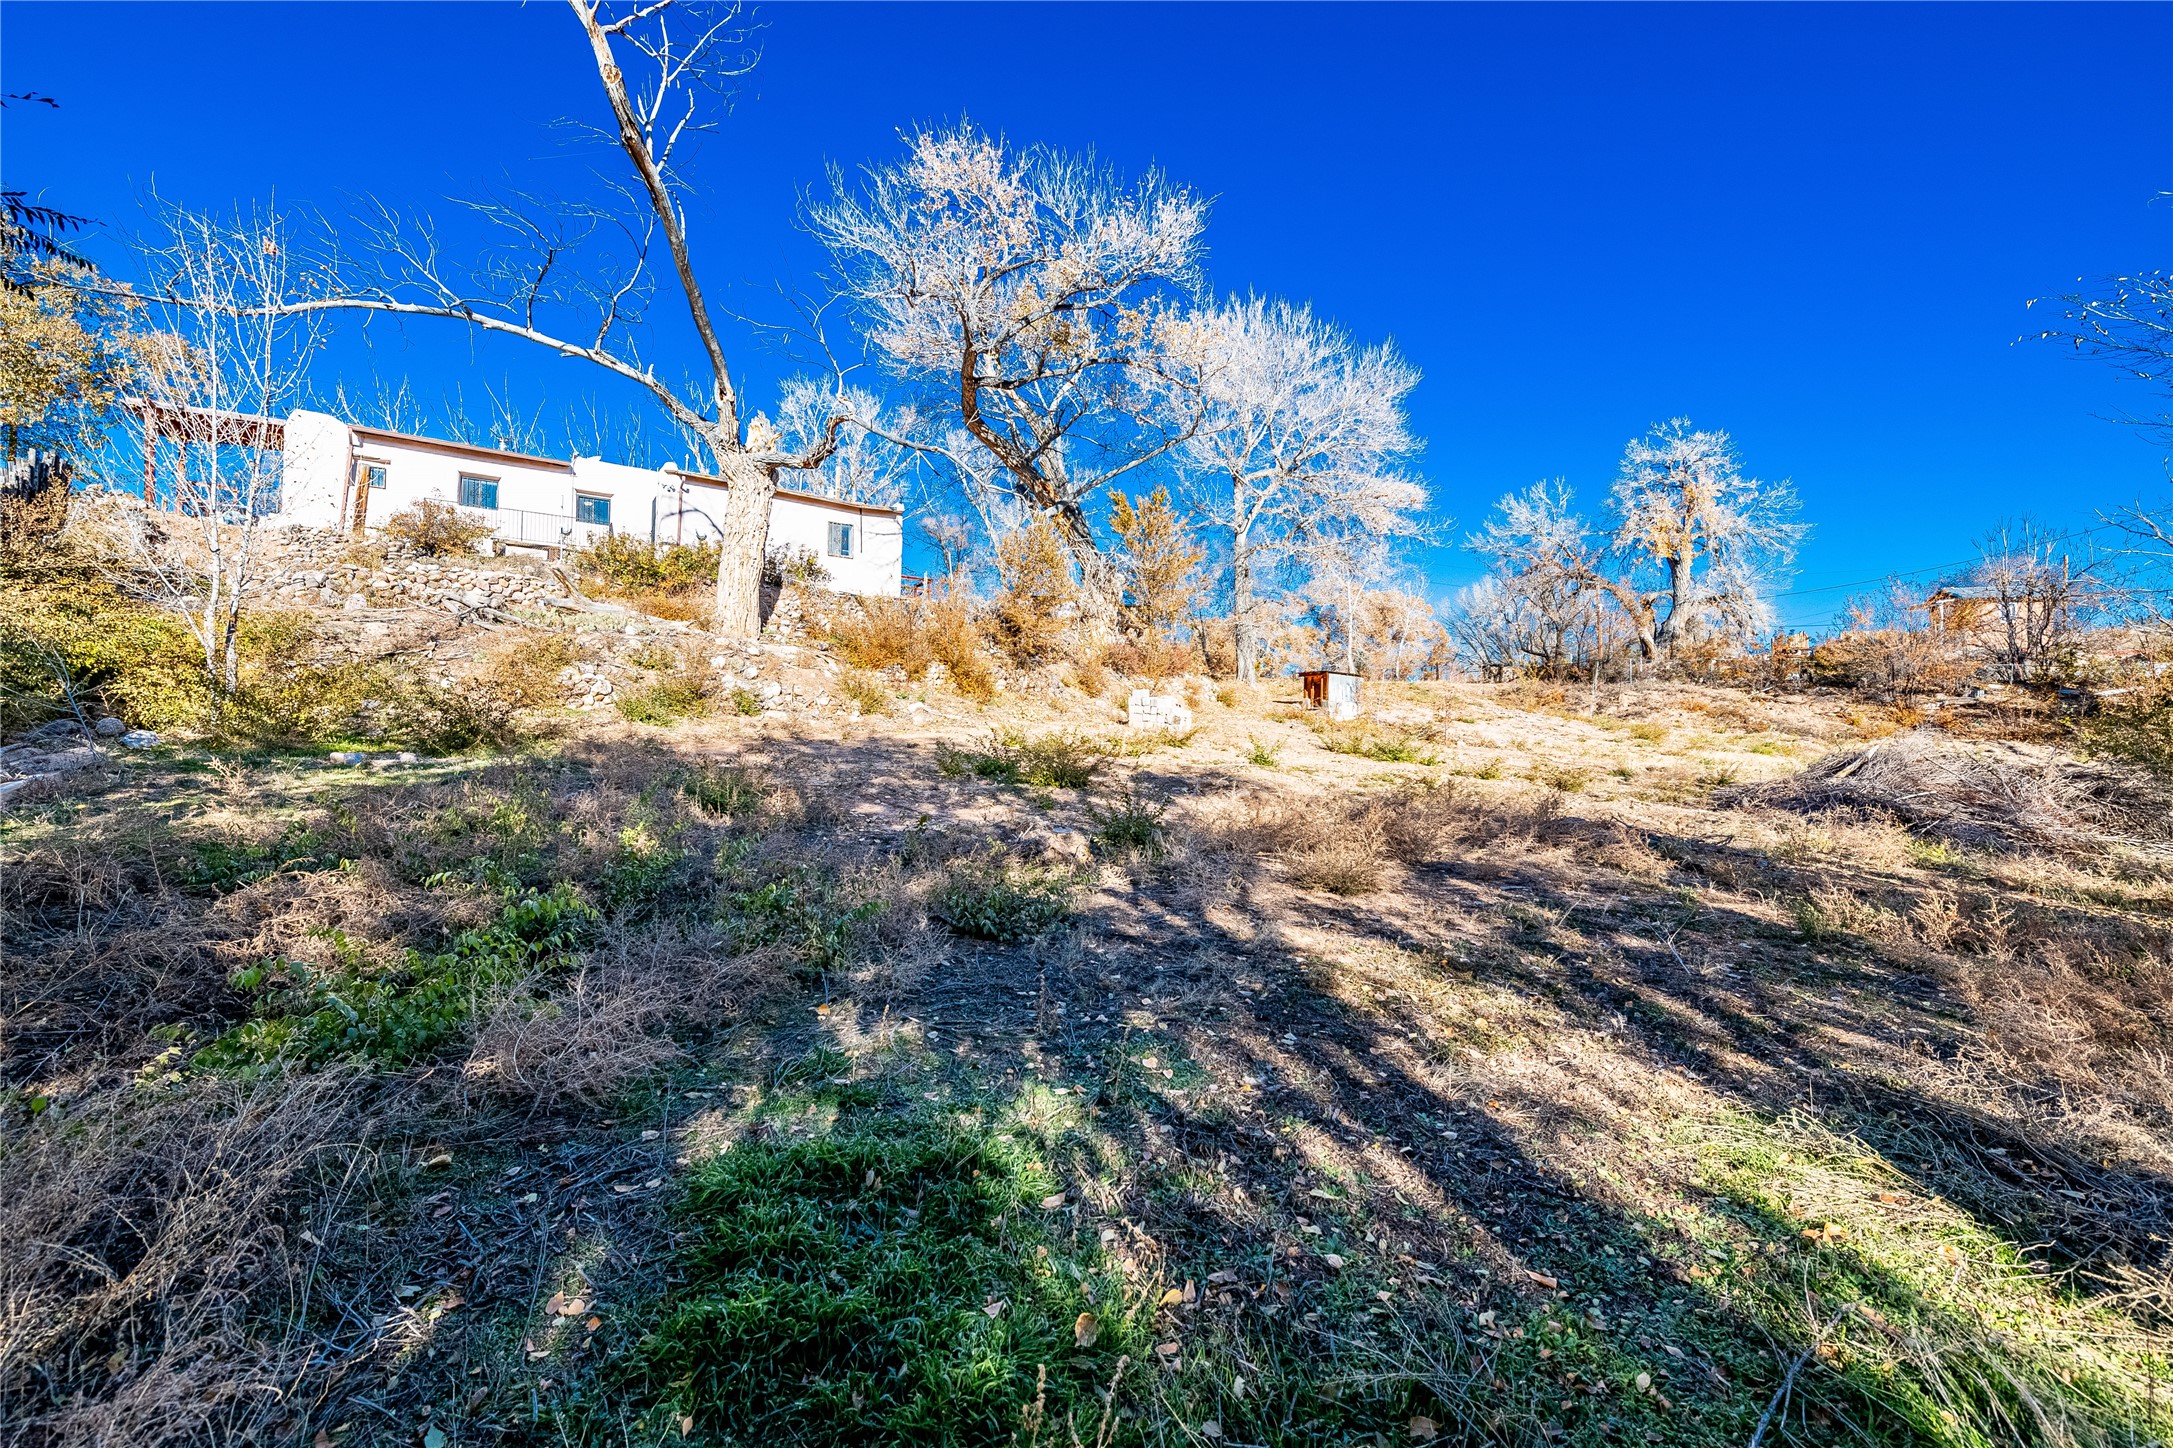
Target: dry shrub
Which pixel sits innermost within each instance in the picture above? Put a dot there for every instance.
(436, 529)
(1999, 795)
(1090, 678)
(697, 606)
(148, 1289)
(1891, 661)
(1151, 659)
(523, 673)
(954, 641)
(31, 527)
(883, 633)
(608, 1028)
(1038, 590)
(898, 633)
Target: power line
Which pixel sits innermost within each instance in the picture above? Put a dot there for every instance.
(1915, 572)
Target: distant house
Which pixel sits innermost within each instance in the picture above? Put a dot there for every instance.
(336, 474)
(1960, 607)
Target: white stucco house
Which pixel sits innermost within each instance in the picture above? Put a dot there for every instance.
(336, 474)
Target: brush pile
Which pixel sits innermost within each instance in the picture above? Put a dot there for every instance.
(2000, 796)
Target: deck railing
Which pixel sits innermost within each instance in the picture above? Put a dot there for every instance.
(539, 530)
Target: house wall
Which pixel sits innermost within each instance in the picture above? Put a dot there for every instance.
(536, 498)
(878, 546)
(797, 521)
(312, 470)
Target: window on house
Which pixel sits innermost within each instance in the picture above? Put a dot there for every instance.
(841, 540)
(587, 509)
(373, 474)
(478, 492)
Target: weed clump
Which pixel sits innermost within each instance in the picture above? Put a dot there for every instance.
(1063, 760)
(1370, 740)
(993, 897)
(1134, 825)
(726, 792)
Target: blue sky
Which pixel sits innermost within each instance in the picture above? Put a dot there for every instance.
(1814, 227)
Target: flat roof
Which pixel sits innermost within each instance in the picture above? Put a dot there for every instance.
(470, 448)
(712, 480)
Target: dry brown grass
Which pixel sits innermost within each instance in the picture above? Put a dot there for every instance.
(608, 1028)
(155, 1271)
(1347, 844)
(2000, 795)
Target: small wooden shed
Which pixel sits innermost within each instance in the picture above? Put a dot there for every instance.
(1332, 690)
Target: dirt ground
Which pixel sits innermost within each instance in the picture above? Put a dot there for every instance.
(1504, 1088)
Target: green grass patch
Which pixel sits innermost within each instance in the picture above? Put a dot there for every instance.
(1937, 1329)
(891, 1285)
(217, 866)
(804, 910)
(308, 1016)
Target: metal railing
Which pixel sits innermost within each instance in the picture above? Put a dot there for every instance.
(539, 530)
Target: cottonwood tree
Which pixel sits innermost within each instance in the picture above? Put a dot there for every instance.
(1302, 431)
(223, 357)
(1690, 540)
(1683, 506)
(1042, 299)
(577, 278)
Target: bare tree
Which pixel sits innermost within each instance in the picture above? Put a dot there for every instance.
(2040, 596)
(2127, 321)
(1551, 572)
(577, 278)
(1683, 505)
(952, 537)
(864, 466)
(223, 359)
(1302, 430)
(1043, 299)
(1690, 542)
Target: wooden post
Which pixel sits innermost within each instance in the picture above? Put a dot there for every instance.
(362, 494)
(150, 458)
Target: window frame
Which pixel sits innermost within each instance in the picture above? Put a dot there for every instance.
(602, 500)
(483, 482)
(375, 475)
(840, 532)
